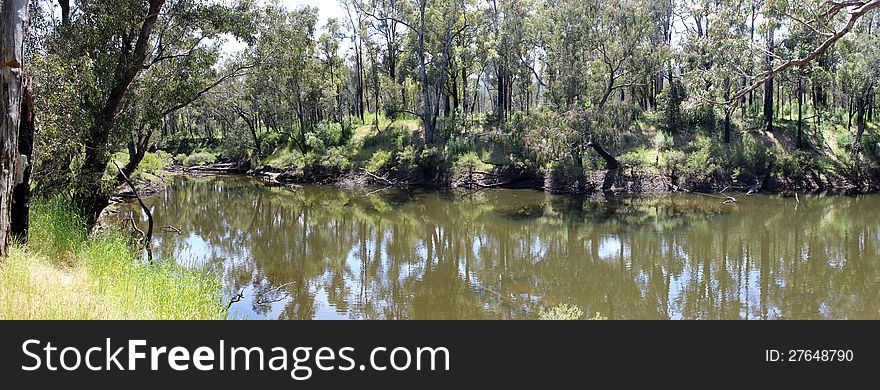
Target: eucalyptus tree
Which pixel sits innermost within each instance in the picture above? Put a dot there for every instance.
(589, 62)
(288, 84)
(860, 53)
(433, 27)
(122, 46)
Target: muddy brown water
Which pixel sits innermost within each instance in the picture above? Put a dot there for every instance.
(326, 253)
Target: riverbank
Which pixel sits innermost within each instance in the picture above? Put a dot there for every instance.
(65, 273)
(620, 181)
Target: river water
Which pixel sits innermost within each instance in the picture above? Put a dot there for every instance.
(327, 253)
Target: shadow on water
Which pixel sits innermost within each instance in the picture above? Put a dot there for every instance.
(323, 252)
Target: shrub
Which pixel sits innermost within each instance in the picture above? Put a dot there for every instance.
(670, 99)
(468, 163)
(694, 167)
(153, 162)
(379, 160)
(663, 141)
(289, 161)
(336, 160)
(199, 158)
(643, 160)
(791, 166)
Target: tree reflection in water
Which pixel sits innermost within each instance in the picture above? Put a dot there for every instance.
(323, 252)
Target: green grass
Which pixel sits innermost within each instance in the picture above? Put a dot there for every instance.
(66, 274)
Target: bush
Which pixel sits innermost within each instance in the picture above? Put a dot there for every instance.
(379, 160)
(695, 167)
(336, 160)
(153, 162)
(469, 163)
(199, 158)
(289, 161)
(641, 160)
(791, 166)
(746, 156)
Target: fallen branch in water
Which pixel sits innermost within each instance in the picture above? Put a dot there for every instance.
(380, 178)
(148, 236)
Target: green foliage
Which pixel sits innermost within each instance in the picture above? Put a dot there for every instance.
(663, 141)
(747, 155)
(470, 162)
(378, 161)
(640, 160)
(670, 100)
(693, 167)
(336, 160)
(154, 162)
(791, 167)
(199, 158)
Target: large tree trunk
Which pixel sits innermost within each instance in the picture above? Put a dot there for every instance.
(12, 32)
(21, 195)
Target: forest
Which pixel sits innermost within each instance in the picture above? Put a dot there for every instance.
(565, 96)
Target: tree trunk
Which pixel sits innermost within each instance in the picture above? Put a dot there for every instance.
(800, 120)
(12, 32)
(21, 196)
(65, 12)
(861, 102)
(768, 87)
(727, 111)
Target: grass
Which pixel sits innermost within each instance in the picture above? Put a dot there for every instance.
(66, 274)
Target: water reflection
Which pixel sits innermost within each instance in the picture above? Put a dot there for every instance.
(326, 253)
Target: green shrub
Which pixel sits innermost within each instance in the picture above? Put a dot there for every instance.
(663, 141)
(154, 162)
(641, 160)
(379, 160)
(791, 166)
(289, 161)
(199, 158)
(336, 160)
(694, 167)
(748, 155)
(468, 163)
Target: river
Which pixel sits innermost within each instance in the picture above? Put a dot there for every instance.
(320, 252)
